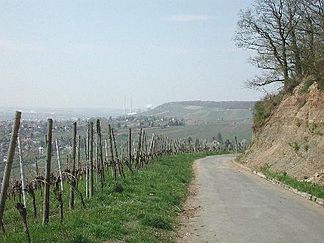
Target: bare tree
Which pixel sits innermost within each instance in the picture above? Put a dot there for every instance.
(287, 37)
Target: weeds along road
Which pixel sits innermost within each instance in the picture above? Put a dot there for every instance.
(229, 204)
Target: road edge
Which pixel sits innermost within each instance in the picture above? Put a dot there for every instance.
(190, 207)
(309, 197)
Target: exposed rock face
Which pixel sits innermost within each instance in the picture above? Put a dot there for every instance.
(292, 138)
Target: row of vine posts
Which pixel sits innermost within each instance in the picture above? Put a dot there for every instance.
(92, 170)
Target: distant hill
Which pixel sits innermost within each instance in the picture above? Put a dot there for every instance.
(205, 111)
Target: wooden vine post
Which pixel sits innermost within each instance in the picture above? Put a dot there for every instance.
(59, 163)
(144, 148)
(91, 179)
(7, 170)
(46, 202)
(22, 174)
(106, 153)
(150, 152)
(96, 167)
(86, 150)
(31, 192)
(118, 164)
(138, 154)
(79, 154)
(113, 164)
(130, 149)
(23, 216)
(73, 178)
(58, 196)
(100, 163)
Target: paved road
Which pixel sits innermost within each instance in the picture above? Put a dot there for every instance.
(236, 206)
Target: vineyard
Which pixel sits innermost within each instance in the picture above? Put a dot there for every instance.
(94, 163)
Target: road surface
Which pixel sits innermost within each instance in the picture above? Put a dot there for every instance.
(232, 205)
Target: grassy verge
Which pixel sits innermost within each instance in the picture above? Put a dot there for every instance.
(303, 186)
(141, 208)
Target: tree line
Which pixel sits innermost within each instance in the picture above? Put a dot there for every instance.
(287, 37)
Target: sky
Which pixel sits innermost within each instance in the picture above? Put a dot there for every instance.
(92, 54)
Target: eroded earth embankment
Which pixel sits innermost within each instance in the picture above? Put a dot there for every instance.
(292, 138)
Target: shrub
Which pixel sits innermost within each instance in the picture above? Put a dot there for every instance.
(295, 146)
(308, 81)
(259, 114)
(263, 109)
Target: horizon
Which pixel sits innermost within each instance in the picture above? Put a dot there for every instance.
(66, 113)
(114, 109)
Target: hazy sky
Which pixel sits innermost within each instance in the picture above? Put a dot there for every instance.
(95, 53)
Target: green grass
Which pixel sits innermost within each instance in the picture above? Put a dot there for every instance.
(141, 208)
(303, 186)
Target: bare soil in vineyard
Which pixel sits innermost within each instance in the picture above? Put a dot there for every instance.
(141, 208)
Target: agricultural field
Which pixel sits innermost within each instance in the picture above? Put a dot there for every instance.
(141, 208)
(205, 112)
(110, 200)
(194, 119)
(205, 119)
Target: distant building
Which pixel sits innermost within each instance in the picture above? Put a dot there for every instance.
(131, 113)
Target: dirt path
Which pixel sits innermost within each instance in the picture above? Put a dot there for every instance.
(228, 204)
